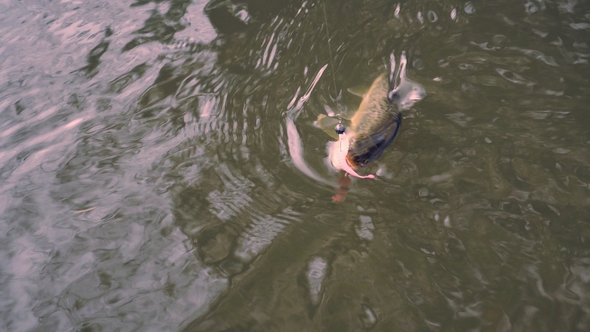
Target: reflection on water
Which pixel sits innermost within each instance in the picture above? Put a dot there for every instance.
(160, 169)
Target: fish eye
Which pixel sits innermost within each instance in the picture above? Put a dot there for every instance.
(340, 129)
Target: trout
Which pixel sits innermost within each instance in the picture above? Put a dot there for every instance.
(372, 128)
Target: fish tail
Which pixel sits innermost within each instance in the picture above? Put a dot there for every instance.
(396, 74)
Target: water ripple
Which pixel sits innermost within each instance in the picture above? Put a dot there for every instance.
(160, 168)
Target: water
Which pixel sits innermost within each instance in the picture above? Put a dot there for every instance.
(154, 177)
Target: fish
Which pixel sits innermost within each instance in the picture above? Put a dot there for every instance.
(372, 128)
(376, 122)
(374, 125)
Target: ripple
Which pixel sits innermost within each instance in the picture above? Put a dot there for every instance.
(159, 167)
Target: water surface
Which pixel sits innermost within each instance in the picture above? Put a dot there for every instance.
(160, 169)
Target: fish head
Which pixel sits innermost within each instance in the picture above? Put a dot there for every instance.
(361, 157)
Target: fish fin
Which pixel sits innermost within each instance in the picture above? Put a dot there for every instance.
(393, 94)
(403, 90)
(327, 124)
(358, 91)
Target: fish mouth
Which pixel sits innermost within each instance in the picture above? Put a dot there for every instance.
(357, 160)
(351, 163)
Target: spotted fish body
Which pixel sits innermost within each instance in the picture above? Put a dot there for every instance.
(375, 124)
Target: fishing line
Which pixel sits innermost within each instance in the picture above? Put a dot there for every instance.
(330, 47)
(339, 129)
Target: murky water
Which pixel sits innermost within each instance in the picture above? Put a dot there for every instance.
(160, 169)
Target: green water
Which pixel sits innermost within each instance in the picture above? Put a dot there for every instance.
(160, 169)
